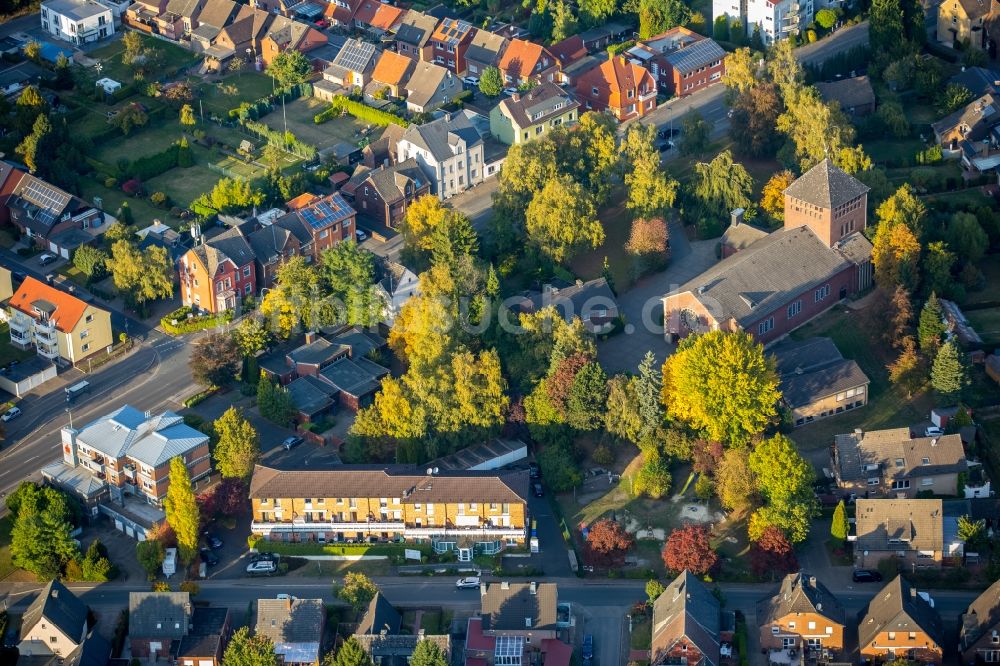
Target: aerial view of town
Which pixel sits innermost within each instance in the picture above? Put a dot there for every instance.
(499, 332)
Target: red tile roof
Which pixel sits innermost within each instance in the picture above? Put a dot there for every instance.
(391, 68)
(476, 640)
(68, 308)
(521, 57)
(569, 50)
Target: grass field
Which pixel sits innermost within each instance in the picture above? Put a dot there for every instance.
(617, 225)
(173, 58)
(299, 116)
(140, 143)
(142, 210)
(6, 564)
(214, 97)
(986, 322)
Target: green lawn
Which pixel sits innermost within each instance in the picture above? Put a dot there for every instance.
(299, 116)
(6, 563)
(642, 634)
(9, 352)
(887, 406)
(184, 185)
(173, 58)
(617, 225)
(142, 142)
(215, 99)
(986, 322)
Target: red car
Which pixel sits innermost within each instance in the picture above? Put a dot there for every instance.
(322, 23)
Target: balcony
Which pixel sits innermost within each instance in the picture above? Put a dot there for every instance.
(19, 324)
(645, 97)
(48, 351)
(45, 336)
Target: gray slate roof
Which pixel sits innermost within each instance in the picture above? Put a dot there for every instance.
(207, 625)
(431, 85)
(519, 606)
(486, 47)
(354, 376)
(380, 616)
(979, 115)
(801, 593)
(894, 524)
(812, 369)
(269, 242)
(538, 105)
(978, 80)
(416, 28)
(578, 299)
(438, 136)
(151, 440)
(827, 186)
(741, 236)
(696, 55)
(746, 286)
(982, 616)
(159, 614)
(310, 395)
(58, 606)
(849, 93)
(897, 455)
(291, 620)
(77, 10)
(686, 609)
(898, 607)
(316, 352)
(389, 182)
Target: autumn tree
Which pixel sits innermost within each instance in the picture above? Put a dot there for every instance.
(649, 241)
(949, 373)
(901, 316)
(772, 198)
(722, 384)
(609, 540)
(357, 590)
(141, 275)
(651, 191)
(688, 548)
(816, 130)
(37, 146)
(215, 360)
(238, 449)
(931, 327)
(907, 371)
(90, 260)
(251, 336)
(896, 255)
(772, 555)
(621, 412)
(297, 300)
(491, 82)
(654, 589)
(722, 185)
(734, 483)
(246, 649)
(187, 115)
(562, 220)
(740, 76)
(182, 510)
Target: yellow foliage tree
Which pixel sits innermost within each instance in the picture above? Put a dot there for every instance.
(772, 199)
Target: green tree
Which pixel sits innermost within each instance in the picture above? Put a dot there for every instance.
(40, 540)
(350, 654)
(182, 510)
(950, 374)
(839, 527)
(133, 45)
(722, 185)
(289, 68)
(972, 532)
(754, 118)
(967, 238)
(349, 273)
(816, 130)
(215, 360)
(427, 653)
(90, 260)
(654, 589)
(491, 82)
(357, 591)
(150, 555)
(651, 191)
(952, 98)
(653, 478)
(29, 106)
(886, 33)
(826, 18)
(142, 275)
(251, 336)
(695, 134)
(564, 23)
(36, 148)
(562, 219)
(596, 12)
(656, 16)
(931, 327)
(587, 398)
(187, 115)
(246, 649)
(734, 483)
(937, 264)
(274, 402)
(238, 449)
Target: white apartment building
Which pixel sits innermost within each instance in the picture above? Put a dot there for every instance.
(777, 20)
(77, 21)
(449, 151)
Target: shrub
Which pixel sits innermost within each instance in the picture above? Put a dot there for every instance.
(132, 187)
(158, 198)
(110, 182)
(603, 456)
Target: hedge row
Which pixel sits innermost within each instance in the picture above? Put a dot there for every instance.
(259, 108)
(360, 111)
(287, 141)
(187, 324)
(387, 549)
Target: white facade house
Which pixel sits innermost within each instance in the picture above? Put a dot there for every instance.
(77, 21)
(777, 20)
(449, 151)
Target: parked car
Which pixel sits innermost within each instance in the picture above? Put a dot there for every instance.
(510, 91)
(587, 652)
(11, 414)
(539, 491)
(264, 557)
(360, 235)
(46, 259)
(291, 442)
(933, 431)
(262, 568)
(471, 81)
(467, 583)
(208, 557)
(866, 576)
(285, 597)
(668, 132)
(534, 471)
(213, 541)
(666, 145)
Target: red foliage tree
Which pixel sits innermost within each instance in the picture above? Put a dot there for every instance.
(648, 236)
(132, 187)
(688, 548)
(706, 455)
(559, 384)
(227, 499)
(608, 541)
(772, 554)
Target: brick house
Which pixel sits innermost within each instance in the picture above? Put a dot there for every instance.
(803, 615)
(49, 216)
(10, 176)
(414, 34)
(689, 626)
(892, 463)
(155, 621)
(272, 246)
(217, 274)
(449, 43)
(294, 626)
(620, 87)
(681, 61)
(523, 60)
(484, 51)
(385, 193)
(776, 284)
(377, 18)
(899, 623)
(206, 640)
(979, 638)
(328, 220)
(817, 381)
(911, 530)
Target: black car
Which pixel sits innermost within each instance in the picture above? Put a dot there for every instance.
(208, 557)
(534, 471)
(539, 491)
(866, 576)
(666, 133)
(213, 541)
(588, 649)
(258, 557)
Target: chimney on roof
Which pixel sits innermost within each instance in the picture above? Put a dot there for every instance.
(516, 97)
(504, 585)
(812, 580)
(310, 337)
(913, 593)
(288, 602)
(533, 587)
(55, 593)
(736, 216)
(482, 589)
(819, 606)
(934, 441)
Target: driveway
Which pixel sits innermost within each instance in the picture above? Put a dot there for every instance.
(642, 308)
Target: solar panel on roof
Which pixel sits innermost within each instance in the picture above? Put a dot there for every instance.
(46, 197)
(509, 646)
